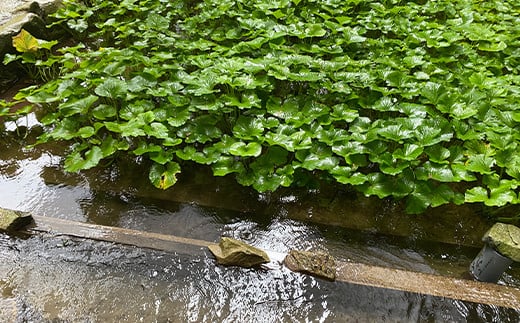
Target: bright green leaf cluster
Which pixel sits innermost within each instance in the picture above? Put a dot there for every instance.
(415, 100)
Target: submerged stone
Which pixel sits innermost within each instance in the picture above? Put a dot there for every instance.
(233, 252)
(318, 264)
(13, 220)
(504, 238)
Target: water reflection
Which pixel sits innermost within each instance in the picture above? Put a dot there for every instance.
(24, 189)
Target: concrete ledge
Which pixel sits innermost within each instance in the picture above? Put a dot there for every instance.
(428, 284)
(137, 238)
(347, 272)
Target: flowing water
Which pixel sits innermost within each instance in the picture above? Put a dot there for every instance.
(49, 278)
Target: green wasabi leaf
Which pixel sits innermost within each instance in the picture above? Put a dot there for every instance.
(438, 154)
(461, 173)
(501, 196)
(110, 145)
(342, 112)
(434, 92)
(226, 165)
(242, 149)
(164, 176)
(157, 22)
(248, 128)
(438, 172)
(86, 132)
(314, 30)
(378, 184)
(427, 194)
(286, 137)
(492, 46)
(79, 25)
(112, 88)
(480, 163)
(346, 175)
(104, 111)
(66, 129)
(312, 161)
(394, 167)
(76, 161)
(80, 106)
(141, 83)
(161, 157)
(144, 147)
(476, 194)
(408, 152)
(157, 130)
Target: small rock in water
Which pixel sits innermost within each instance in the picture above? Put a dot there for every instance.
(504, 238)
(13, 220)
(233, 252)
(318, 264)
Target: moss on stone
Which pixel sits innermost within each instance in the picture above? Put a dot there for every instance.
(504, 238)
(13, 220)
(318, 264)
(232, 252)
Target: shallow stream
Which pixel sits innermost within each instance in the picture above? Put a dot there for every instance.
(46, 278)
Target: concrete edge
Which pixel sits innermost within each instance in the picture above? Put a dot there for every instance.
(347, 272)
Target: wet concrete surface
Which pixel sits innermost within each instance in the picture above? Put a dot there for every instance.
(344, 271)
(61, 279)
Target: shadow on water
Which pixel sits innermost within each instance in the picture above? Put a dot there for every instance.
(53, 278)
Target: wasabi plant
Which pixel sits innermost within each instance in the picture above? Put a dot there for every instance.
(35, 57)
(414, 100)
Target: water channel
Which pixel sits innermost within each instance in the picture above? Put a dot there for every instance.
(55, 278)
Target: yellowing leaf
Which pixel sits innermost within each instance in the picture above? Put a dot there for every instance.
(25, 42)
(164, 176)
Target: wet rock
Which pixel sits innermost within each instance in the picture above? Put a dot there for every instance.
(318, 264)
(30, 15)
(232, 252)
(504, 238)
(13, 220)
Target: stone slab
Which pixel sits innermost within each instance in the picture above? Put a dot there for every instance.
(14, 220)
(231, 252)
(41, 7)
(346, 272)
(318, 264)
(504, 238)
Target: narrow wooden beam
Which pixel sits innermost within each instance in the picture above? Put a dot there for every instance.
(429, 284)
(137, 238)
(348, 272)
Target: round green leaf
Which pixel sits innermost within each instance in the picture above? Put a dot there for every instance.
(164, 176)
(252, 149)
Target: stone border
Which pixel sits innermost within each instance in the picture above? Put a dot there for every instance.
(347, 272)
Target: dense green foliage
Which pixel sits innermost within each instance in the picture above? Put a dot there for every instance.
(408, 99)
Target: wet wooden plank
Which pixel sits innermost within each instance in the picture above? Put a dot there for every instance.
(137, 238)
(428, 284)
(348, 272)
